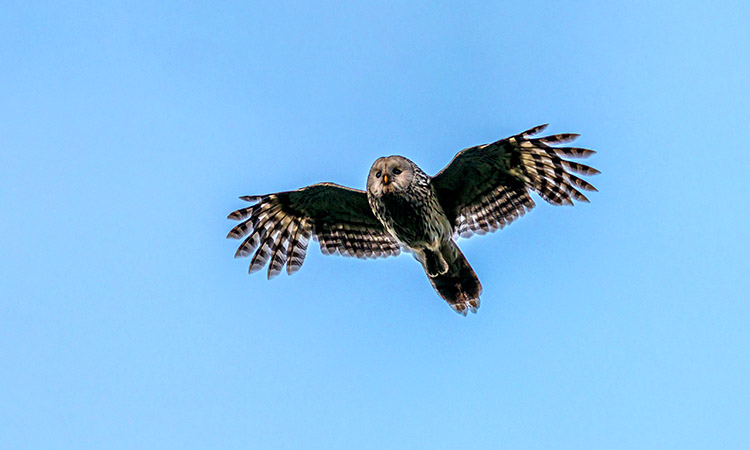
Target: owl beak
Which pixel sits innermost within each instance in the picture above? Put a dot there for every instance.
(385, 179)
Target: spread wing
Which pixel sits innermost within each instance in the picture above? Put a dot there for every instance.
(280, 225)
(487, 187)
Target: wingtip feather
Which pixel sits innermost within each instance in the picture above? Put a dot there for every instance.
(536, 130)
(559, 138)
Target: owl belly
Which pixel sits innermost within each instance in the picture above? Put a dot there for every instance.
(417, 224)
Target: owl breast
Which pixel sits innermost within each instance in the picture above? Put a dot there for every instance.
(414, 217)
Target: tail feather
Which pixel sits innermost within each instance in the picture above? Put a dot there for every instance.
(459, 285)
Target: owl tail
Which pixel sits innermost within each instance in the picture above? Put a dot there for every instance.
(458, 285)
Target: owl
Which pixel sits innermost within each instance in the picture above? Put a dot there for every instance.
(484, 188)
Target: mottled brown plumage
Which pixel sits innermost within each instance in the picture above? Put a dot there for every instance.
(483, 189)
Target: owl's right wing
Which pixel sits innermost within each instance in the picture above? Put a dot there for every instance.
(486, 187)
(280, 225)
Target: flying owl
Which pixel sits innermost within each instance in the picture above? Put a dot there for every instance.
(484, 188)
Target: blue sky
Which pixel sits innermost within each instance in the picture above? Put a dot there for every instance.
(129, 130)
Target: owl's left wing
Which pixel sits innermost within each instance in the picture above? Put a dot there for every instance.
(487, 187)
(280, 225)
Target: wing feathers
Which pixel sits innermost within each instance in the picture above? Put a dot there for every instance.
(354, 242)
(497, 210)
(268, 243)
(242, 213)
(486, 187)
(536, 130)
(278, 227)
(556, 139)
(583, 184)
(583, 169)
(573, 152)
(297, 248)
(259, 225)
(278, 253)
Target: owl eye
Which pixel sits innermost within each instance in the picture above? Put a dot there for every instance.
(396, 171)
(377, 175)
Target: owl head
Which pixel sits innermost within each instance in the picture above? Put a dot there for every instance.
(390, 174)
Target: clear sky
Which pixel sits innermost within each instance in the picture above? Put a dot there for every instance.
(128, 130)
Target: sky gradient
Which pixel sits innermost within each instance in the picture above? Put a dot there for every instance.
(129, 130)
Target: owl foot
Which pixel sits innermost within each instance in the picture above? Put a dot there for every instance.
(434, 263)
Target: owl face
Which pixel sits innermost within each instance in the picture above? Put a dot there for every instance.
(390, 174)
